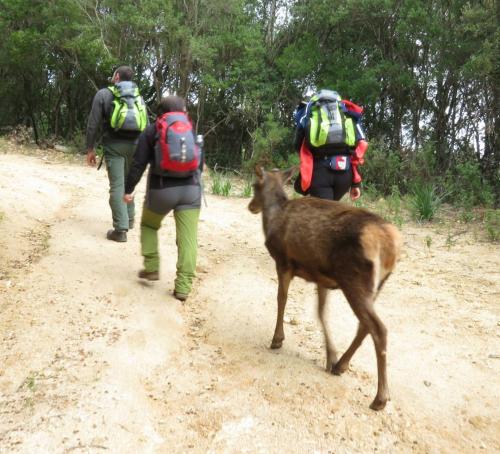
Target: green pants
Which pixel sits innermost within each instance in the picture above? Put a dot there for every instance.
(118, 157)
(186, 229)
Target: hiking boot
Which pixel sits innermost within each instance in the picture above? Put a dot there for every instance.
(180, 296)
(131, 224)
(117, 235)
(149, 275)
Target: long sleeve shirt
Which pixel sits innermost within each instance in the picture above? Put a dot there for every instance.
(99, 117)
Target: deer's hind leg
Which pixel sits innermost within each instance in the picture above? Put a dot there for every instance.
(343, 364)
(284, 278)
(361, 302)
(331, 353)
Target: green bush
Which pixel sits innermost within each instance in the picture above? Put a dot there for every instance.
(221, 184)
(424, 201)
(268, 147)
(418, 167)
(394, 206)
(492, 224)
(466, 187)
(247, 188)
(382, 169)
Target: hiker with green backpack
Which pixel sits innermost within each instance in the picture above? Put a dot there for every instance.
(331, 144)
(120, 112)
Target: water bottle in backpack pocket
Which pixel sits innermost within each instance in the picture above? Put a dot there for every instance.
(176, 153)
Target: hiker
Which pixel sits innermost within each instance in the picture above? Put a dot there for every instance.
(331, 143)
(174, 183)
(121, 113)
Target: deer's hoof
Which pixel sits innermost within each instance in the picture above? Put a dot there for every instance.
(339, 369)
(276, 344)
(378, 404)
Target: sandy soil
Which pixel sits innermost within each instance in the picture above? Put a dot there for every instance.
(93, 361)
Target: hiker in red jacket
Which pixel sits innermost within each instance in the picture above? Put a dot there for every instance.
(331, 144)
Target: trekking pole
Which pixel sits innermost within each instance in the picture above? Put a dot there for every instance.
(200, 143)
(203, 192)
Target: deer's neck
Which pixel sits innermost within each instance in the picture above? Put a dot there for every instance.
(273, 205)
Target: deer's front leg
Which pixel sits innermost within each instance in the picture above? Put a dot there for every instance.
(284, 278)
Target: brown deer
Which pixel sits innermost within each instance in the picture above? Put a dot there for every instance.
(337, 247)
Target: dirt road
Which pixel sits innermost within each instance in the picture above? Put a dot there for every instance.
(93, 361)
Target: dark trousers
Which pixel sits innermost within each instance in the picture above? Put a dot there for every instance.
(329, 184)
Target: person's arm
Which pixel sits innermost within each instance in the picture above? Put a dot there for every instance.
(94, 124)
(143, 155)
(299, 138)
(357, 159)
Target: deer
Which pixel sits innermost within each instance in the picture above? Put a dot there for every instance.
(335, 246)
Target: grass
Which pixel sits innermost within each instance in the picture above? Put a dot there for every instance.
(31, 383)
(425, 202)
(247, 188)
(221, 184)
(492, 225)
(450, 241)
(395, 208)
(467, 215)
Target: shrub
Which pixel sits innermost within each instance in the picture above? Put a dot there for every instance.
(267, 141)
(394, 205)
(492, 224)
(424, 201)
(221, 184)
(382, 169)
(466, 187)
(247, 188)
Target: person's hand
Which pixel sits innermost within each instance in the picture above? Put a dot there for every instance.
(91, 160)
(355, 193)
(128, 198)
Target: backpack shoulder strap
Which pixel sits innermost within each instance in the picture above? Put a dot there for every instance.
(114, 90)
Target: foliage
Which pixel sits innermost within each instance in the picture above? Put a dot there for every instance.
(426, 98)
(247, 188)
(382, 168)
(267, 140)
(425, 201)
(221, 184)
(466, 186)
(395, 208)
(492, 224)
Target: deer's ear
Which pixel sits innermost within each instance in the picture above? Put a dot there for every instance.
(259, 171)
(286, 175)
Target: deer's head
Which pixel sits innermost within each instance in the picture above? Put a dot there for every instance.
(269, 186)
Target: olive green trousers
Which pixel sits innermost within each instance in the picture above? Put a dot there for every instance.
(186, 230)
(118, 157)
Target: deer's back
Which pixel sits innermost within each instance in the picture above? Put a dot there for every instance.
(332, 239)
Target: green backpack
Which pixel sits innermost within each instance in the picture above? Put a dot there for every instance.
(328, 126)
(129, 110)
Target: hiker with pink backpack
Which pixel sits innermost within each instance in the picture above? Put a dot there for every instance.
(174, 184)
